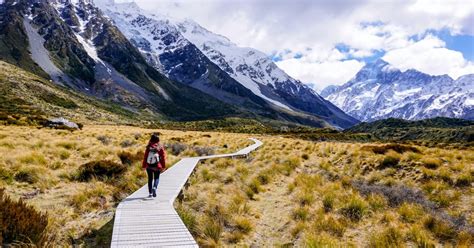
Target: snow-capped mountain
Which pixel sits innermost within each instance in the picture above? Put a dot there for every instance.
(74, 45)
(381, 91)
(188, 53)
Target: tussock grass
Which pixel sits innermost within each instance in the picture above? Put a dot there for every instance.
(388, 237)
(102, 169)
(410, 212)
(52, 161)
(289, 192)
(321, 240)
(355, 208)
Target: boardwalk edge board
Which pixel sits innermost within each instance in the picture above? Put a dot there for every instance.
(141, 221)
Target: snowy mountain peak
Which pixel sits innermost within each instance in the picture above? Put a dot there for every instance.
(381, 91)
(187, 52)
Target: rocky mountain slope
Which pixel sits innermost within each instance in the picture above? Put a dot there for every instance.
(188, 53)
(380, 91)
(74, 45)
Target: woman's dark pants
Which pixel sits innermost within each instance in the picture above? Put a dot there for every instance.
(153, 179)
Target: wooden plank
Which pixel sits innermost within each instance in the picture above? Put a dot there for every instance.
(153, 222)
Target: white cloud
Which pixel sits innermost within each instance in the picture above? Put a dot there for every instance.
(430, 55)
(314, 27)
(321, 74)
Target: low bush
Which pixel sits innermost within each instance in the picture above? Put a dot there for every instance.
(396, 194)
(128, 158)
(177, 148)
(203, 151)
(20, 223)
(127, 143)
(104, 139)
(102, 170)
(382, 149)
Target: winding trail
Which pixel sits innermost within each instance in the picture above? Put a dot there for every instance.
(153, 222)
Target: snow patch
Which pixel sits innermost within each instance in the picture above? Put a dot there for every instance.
(40, 55)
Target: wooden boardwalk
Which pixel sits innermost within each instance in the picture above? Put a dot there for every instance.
(153, 222)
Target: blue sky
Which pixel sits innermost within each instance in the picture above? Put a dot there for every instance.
(325, 42)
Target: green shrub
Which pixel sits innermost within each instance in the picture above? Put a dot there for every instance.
(102, 169)
(20, 222)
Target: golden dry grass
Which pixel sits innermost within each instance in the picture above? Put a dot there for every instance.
(288, 192)
(332, 194)
(41, 166)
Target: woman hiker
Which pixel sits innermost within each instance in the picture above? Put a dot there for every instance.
(154, 163)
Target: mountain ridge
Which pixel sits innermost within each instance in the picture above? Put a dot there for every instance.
(163, 40)
(380, 91)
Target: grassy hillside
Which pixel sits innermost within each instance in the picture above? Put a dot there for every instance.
(58, 173)
(289, 192)
(430, 131)
(28, 99)
(329, 194)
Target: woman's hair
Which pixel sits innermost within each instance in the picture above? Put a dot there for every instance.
(154, 138)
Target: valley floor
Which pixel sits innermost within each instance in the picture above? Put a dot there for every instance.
(290, 192)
